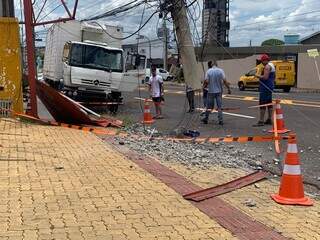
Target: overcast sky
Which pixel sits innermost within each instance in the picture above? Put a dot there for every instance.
(254, 20)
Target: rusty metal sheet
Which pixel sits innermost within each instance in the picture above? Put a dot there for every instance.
(226, 187)
(65, 111)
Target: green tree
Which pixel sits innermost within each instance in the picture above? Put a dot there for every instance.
(272, 42)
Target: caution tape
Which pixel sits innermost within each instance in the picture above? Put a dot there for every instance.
(100, 103)
(98, 131)
(263, 105)
(65, 125)
(241, 139)
(276, 135)
(216, 109)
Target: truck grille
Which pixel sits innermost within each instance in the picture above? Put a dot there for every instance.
(96, 83)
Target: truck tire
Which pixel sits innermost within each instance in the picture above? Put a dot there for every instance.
(287, 89)
(114, 97)
(241, 86)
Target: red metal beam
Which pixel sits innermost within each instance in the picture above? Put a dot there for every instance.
(28, 15)
(66, 8)
(52, 21)
(75, 9)
(30, 23)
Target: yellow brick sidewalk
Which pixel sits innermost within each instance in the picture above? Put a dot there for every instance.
(58, 183)
(295, 222)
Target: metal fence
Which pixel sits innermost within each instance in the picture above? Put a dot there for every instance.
(5, 108)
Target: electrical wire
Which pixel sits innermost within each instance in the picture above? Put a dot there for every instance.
(134, 33)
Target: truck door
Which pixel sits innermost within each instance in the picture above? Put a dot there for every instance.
(135, 72)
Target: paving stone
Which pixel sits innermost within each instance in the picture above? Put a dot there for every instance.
(93, 190)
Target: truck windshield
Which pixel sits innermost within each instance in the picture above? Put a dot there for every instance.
(96, 57)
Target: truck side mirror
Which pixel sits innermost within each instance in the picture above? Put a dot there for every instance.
(66, 51)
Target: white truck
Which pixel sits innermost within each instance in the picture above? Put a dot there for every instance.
(85, 62)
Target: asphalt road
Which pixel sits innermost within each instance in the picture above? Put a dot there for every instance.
(301, 114)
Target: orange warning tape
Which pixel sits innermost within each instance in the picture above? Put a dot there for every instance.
(77, 127)
(241, 139)
(263, 105)
(276, 142)
(65, 125)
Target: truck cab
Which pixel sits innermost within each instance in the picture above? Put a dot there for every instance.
(91, 69)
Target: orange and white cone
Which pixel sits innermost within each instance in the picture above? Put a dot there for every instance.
(280, 122)
(291, 190)
(147, 117)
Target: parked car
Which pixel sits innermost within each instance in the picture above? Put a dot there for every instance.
(160, 71)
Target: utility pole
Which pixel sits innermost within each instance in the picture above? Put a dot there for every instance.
(188, 57)
(29, 26)
(165, 45)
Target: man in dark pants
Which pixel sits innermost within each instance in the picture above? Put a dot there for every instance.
(215, 79)
(266, 86)
(190, 97)
(205, 88)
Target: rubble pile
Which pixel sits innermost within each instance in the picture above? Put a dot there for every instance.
(200, 155)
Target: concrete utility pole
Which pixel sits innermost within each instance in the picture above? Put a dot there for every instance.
(191, 71)
(29, 26)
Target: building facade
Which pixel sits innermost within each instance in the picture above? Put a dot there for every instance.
(215, 23)
(153, 48)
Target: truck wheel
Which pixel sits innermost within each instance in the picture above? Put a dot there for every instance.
(114, 97)
(241, 86)
(287, 89)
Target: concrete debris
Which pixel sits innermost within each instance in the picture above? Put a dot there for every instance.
(192, 154)
(250, 203)
(121, 142)
(318, 178)
(256, 185)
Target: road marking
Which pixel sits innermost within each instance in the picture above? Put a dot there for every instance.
(289, 102)
(249, 98)
(231, 114)
(239, 115)
(255, 99)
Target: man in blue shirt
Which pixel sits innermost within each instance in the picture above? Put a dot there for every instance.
(214, 81)
(266, 86)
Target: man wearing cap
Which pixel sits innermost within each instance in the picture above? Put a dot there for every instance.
(266, 86)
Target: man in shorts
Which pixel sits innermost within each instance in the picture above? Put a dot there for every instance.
(266, 86)
(156, 91)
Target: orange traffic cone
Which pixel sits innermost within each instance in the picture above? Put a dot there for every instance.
(147, 117)
(280, 122)
(291, 187)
